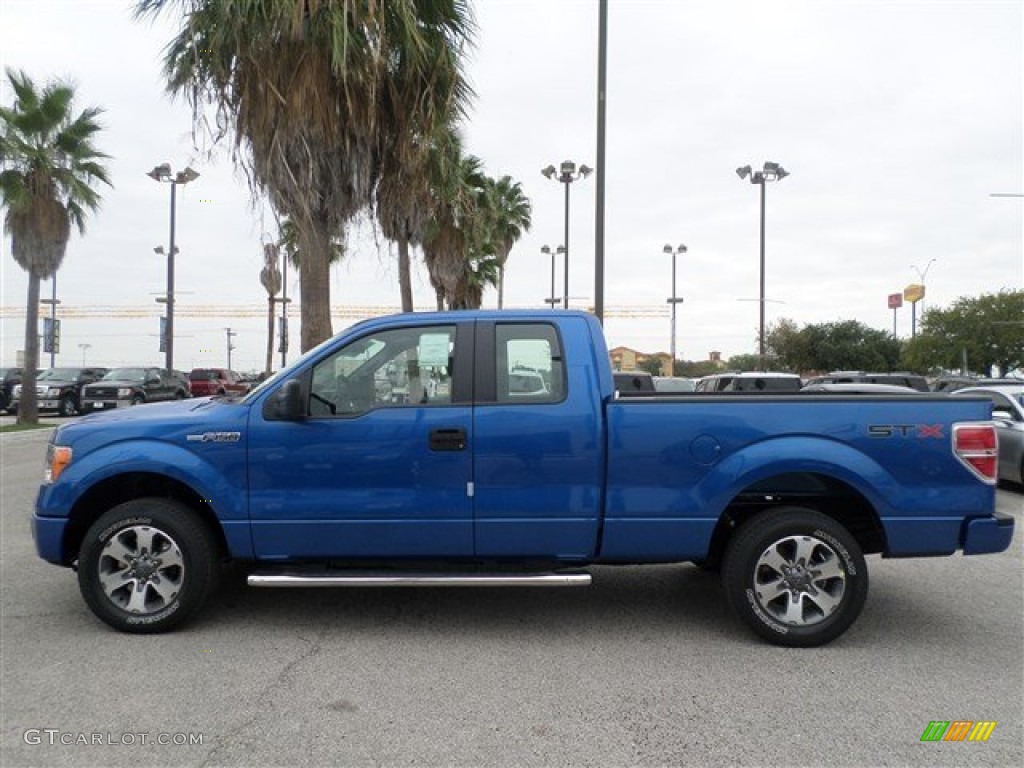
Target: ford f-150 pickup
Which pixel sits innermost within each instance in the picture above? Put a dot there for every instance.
(322, 476)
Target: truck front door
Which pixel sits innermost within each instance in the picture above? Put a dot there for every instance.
(381, 466)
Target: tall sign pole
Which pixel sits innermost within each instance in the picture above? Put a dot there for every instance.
(895, 302)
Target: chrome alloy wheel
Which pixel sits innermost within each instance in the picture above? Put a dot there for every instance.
(799, 580)
(141, 569)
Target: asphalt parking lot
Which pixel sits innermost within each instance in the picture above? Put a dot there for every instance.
(646, 667)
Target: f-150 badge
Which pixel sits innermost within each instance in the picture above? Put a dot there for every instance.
(214, 437)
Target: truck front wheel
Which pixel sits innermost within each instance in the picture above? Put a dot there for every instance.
(795, 576)
(147, 565)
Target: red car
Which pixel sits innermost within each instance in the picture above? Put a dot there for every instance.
(216, 381)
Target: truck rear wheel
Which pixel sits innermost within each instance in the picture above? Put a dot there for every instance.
(147, 565)
(795, 576)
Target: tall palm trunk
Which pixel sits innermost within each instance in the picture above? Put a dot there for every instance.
(404, 276)
(28, 408)
(501, 287)
(314, 290)
(270, 336)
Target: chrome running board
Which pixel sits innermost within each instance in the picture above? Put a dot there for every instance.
(377, 579)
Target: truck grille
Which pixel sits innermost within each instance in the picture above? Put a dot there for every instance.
(101, 393)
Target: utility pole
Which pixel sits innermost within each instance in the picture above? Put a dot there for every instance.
(231, 334)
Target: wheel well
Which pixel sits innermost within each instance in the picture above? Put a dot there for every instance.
(822, 493)
(117, 490)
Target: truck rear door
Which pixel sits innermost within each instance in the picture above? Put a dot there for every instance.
(538, 440)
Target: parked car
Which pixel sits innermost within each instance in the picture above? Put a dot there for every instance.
(633, 383)
(769, 382)
(898, 378)
(122, 387)
(860, 388)
(216, 381)
(1008, 415)
(60, 389)
(9, 379)
(951, 383)
(673, 384)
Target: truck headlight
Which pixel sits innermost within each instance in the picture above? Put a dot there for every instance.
(16, 392)
(58, 457)
(53, 392)
(124, 392)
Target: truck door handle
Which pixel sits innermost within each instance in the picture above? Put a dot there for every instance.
(448, 439)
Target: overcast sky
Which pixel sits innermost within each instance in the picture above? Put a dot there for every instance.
(896, 120)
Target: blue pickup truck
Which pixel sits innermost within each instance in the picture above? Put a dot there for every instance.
(489, 449)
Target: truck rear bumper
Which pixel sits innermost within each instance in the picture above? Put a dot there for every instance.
(982, 535)
(48, 534)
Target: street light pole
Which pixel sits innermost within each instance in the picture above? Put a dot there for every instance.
(567, 174)
(673, 300)
(547, 249)
(162, 173)
(84, 347)
(922, 275)
(53, 320)
(770, 172)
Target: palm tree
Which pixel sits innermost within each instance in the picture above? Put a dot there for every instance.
(458, 220)
(316, 94)
(478, 273)
(50, 168)
(511, 210)
(270, 278)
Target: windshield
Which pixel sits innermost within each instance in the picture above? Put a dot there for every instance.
(277, 376)
(203, 374)
(62, 374)
(126, 374)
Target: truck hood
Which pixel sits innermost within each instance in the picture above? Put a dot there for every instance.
(173, 421)
(56, 382)
(115, 383)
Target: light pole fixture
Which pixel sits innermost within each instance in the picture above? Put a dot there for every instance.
(673, 300)
(567, 173)
(770, 172)
(922, 276)
(559, 250)
(162, 173)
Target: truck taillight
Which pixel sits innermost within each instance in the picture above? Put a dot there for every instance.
(977, 447)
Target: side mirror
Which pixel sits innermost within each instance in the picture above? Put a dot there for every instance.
(152, 379)
(287, 403)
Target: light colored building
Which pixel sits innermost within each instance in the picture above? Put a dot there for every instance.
(626, 359)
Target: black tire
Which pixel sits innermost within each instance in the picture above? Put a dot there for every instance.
(117, 567)
(66, 407)
(138, 400)
(803, 606)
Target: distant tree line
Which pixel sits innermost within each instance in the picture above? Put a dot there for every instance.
(977, 335)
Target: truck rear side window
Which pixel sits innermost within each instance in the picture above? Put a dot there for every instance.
(529, 362)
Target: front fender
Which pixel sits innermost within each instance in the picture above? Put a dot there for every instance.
(216, 472)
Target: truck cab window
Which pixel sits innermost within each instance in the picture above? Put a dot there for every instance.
(529, 362)
(399, 368)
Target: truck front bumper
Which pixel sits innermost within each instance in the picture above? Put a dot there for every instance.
(48, 534)
(982, 535)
